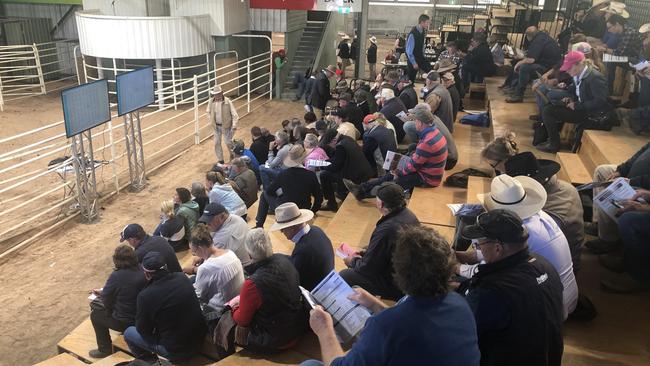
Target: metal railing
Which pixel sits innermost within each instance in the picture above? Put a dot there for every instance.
(26, 70)
(167, 132)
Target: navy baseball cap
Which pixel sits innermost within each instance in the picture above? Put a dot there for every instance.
(502, 225)
(153, 261)
(211, 210)
(132, 231)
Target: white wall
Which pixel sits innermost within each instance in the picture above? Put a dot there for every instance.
(122, 7)
(228, 16)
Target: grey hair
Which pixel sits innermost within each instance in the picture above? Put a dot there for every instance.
(238, 162)
(258, 244)
(282, 136)
(311, 140)
(198, 190)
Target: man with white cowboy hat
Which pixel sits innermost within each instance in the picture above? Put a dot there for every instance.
(223, 117)
(343, 52)
(372, 57)
(320, 92)
(526, 197)
(296, 184)
(312, 255)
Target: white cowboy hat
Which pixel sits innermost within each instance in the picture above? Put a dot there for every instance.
(345, 36)
(373, 39)
(295, 157)
(616, 8)
(216, 90)
(523, 195)
(645, 28)
(288, 214)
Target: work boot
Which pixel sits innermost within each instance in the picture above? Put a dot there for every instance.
(355, 189)
(591, 228)
(515, 98)
(95, 353)
(330, 206)
(623, 283)
(599, 246)
(612, 262)
(548, 147)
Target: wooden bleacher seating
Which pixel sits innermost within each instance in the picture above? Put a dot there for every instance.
(430, 204)
(80, 341)
(476, 186)
(477, 91)
(63, 359)
(114, 359)
(573, 170)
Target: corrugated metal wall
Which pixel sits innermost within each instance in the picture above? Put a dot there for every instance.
(639, 11)
(296, 20)
(228, 16)
(268, 20)
(144, 38)
(119, 7)
(66, 30)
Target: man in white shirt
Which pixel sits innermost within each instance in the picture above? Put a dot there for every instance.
(223, 117)
(228, 231)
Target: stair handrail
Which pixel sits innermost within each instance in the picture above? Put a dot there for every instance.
(328, 27)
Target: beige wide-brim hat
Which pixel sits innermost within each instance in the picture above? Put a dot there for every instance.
(295, 157)
(373, 39)
(216, 90)
(288, 214)
(645, 28)
(616, 8)
(444, 65)
(523, 195)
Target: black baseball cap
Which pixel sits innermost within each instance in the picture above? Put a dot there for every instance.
(320, 125)
(131, 231)
(211, 210)
(153, 261)
(502, 225)
(390, 193)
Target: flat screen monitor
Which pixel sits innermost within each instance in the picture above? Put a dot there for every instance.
(85, 106)
(134, 90)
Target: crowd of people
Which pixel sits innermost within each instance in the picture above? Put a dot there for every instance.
(499, 294)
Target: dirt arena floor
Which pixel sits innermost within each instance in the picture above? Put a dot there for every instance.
(44, 286)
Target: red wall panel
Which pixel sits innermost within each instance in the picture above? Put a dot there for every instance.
(283, 4)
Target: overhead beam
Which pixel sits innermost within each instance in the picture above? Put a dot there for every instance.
(50, 2)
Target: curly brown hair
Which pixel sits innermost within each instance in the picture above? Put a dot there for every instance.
(422, 261)
(201, 236)
(124, 257)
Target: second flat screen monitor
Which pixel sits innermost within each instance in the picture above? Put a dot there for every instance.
(134, 90)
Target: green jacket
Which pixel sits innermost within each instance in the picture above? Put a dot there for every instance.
(189, 212)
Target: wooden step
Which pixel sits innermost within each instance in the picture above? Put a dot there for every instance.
(430, 204)
(247, 358)
(476, 186)
(114, 359)
(446, 232)
(80, 341)
(63, 359)
(609, 147)
(353, 223)
(573, 170)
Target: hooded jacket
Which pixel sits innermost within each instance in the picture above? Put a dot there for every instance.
(189, 212)
(226, 196)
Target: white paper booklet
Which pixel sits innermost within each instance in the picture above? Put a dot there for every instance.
(318, 163)
(394, 161)
(332, 294)
(607, 200)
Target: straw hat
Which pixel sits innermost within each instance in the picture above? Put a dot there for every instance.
(330, 68)
(444, 65)
(345, 36)
(295, 157)
(645, 28)
(288, 214)
(373, 39)
(523, 195)
(216, 90)
(616, 8)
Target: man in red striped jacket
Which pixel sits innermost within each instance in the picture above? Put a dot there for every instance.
(423, 168)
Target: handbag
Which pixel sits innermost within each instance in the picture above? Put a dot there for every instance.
(539, 133)
(602, 121)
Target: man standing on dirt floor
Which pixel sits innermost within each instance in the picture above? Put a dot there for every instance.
(223, 117)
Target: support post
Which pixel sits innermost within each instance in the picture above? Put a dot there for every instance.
(248, 85)
(84, 167)
(37, 59)
(363, 39)
(174, 83)
(134, 150)
(159, 84)
(195, 90)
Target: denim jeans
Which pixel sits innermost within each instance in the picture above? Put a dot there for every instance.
(299, 83)
(411, 132)
(311, 363)
(634, 229)
(526, 73)
(407, 182)
(553, 95)
(144, 347)
(642, 112)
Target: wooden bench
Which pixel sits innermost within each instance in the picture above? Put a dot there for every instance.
(476, 186)
(573, 169)
(114, 359)
(63, 359)
(80, 341)
(247, 358)
(477, 91)
(430, 204)
(609, 147)
(446, 232)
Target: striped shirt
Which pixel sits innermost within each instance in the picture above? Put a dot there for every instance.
(429, 157)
